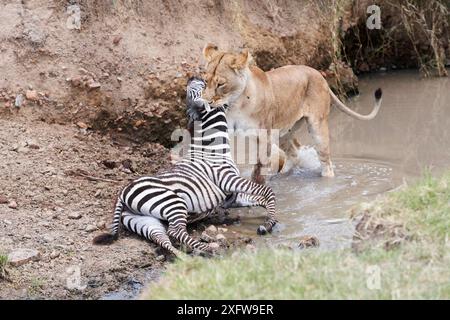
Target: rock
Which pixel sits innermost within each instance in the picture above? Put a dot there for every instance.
(220, 237)
(308, 242)
(90, 228)
(250, 247)
(222, 230)
(32, 95)
(117, 39)
(20, 257)
(12, 204)
(73, 21)
(82, 125)
(3, 199)
(160, 258)
(54, 255)
(101, 224)
(74, 215)
(206, 237)
(48, 238)
(214, 245)
(211, 229)
(92, 85)
(19, 100)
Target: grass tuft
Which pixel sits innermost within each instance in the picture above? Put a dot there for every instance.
(415, 219)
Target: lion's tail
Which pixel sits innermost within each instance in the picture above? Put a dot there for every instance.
(350, 112)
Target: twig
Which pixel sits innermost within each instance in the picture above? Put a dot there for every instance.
(84, 174)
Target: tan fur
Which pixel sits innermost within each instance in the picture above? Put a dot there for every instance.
(278, 99)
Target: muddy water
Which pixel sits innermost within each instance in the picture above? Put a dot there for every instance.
(411, 133)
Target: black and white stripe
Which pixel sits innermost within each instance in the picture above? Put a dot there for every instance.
(193, 188)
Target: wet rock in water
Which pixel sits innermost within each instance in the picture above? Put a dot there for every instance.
(19, 100)
(32, 95)
(20, 257)
(74, 215)
(308, 242)
(3, 200)
(12, 204)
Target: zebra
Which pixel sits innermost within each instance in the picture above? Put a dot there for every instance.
(193, 188)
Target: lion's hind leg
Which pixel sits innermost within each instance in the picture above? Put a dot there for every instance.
(320, 133)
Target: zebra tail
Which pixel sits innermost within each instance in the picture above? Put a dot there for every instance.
(110, 237)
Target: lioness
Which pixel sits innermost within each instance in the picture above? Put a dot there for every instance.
(278, 99)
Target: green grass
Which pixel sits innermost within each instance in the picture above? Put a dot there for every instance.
(416, 219)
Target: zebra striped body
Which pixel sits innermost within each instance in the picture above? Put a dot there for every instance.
(194, 187)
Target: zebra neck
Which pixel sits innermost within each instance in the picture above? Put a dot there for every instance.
(211, 144)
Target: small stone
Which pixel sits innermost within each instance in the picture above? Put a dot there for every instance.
(220, 237)
(54, 255)
(222, 230)
(3, 200)
(12, 204)
(20, 257)
(160, 258)
(90, 228)
(32, 95)
(94, 85)
(308, 242)
(98, 193)
(48, 238)
(214, 245)
(250, 247)
(206, 237)
(101, 224)
(82, 125)
(211, 229)
(74, 215)
(117, 39)
(19, 100)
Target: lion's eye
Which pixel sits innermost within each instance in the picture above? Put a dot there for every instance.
(220, 84)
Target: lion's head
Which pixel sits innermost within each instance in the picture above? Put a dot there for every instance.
(226, 74)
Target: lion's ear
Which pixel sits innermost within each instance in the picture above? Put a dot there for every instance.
(209, 51)
(242, 60)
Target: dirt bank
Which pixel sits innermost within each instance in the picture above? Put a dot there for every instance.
(99, 97)
(49, 208)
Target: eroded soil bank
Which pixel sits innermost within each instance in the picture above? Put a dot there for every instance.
(102, 100)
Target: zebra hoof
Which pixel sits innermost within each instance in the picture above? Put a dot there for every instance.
(261, 230)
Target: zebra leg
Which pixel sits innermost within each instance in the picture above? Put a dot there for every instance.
(151, 228)
(263, 193)
(177, 215)
(239, 200)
